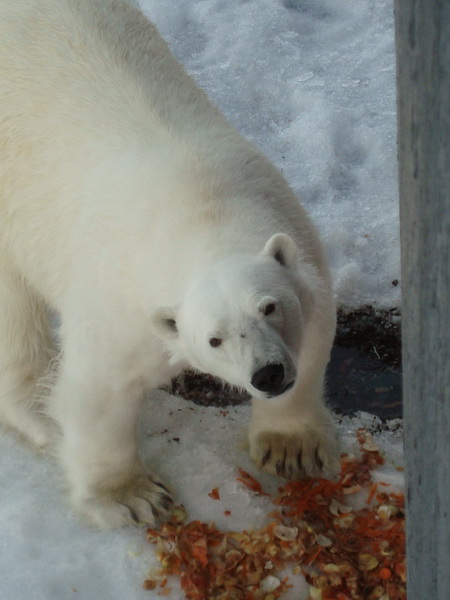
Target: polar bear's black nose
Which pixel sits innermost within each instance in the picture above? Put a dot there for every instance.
(269, 379)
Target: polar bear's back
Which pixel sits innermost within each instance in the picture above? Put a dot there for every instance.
(100, 64)
(101, 128)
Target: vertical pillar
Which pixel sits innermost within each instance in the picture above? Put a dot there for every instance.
(423, 87)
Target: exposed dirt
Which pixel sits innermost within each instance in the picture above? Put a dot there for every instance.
(365, 367)
(364, 372)
(376, 334)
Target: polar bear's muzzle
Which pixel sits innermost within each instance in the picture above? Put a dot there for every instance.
(271, 380)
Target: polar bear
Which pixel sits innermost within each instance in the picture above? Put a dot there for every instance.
(163, 239)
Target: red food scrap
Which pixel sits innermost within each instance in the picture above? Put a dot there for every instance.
(251, 482)
(214, 494)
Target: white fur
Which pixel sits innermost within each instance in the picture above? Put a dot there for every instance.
(129, 205)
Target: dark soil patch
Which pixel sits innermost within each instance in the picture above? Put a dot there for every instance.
(364, 371)
(206, 390)
(374, 333)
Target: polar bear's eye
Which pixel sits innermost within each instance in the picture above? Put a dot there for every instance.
(215, 342)
(268, 309)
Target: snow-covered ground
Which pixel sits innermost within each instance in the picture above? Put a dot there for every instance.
(46, 553)
(312, 83)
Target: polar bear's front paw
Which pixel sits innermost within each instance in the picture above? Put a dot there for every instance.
(143, 500)
(310, 452)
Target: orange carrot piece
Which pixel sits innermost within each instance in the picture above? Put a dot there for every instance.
(385, 573)
(373, 491)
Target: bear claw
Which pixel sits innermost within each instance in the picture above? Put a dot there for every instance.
(139, 502)
(309, 453)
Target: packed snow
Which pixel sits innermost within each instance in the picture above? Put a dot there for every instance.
(312, 84)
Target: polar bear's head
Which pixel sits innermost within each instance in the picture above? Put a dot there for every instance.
(242, 319)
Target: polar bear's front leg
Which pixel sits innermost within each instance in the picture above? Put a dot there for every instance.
(294, 436)
(108, 483)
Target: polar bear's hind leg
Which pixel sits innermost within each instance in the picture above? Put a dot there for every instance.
(25, 351)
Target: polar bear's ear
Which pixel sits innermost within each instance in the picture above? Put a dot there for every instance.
(164, 321)
(283, 249)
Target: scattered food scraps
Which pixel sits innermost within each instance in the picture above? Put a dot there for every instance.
(344, 553)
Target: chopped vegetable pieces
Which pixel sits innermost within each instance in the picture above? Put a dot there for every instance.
(343, 552)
